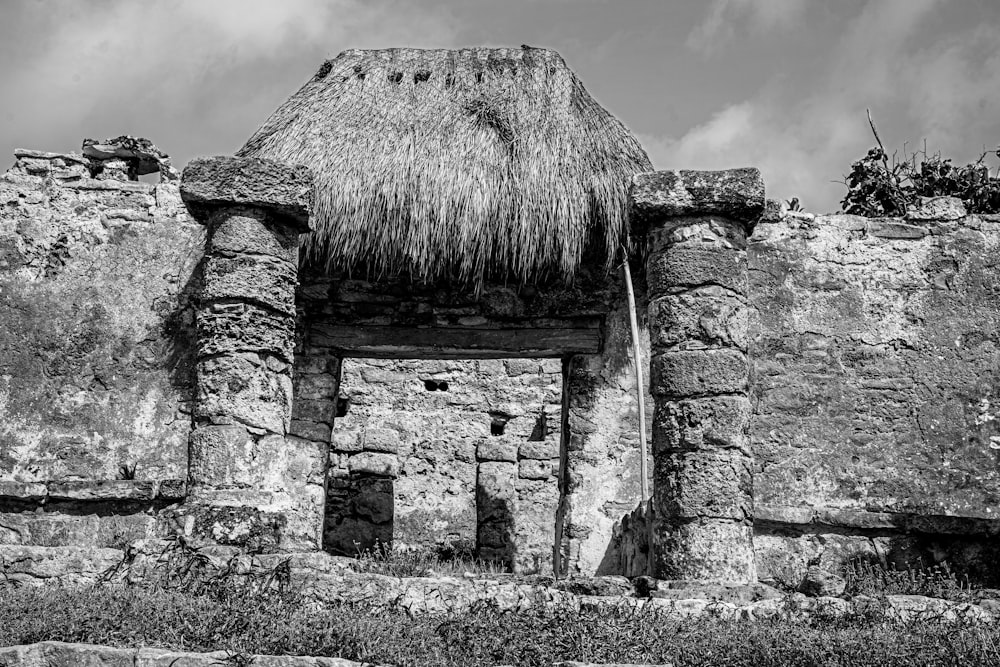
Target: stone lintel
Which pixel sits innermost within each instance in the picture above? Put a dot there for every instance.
(94, 490)
(208, 184)
(733, 193)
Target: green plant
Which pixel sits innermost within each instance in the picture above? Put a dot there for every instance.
(864, 577)
(383, 558)
(878, 186)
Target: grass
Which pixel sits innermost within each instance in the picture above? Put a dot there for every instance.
(866, 578)
(251, 620)
(453, 560)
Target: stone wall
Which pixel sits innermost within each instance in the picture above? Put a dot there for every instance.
(97, 277)
(447, 454)
(876, 382)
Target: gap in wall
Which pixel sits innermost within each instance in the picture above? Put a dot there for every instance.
(468, 467)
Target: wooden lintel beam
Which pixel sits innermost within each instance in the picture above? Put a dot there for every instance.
(454, 342)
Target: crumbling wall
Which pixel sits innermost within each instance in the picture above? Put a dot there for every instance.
(96, 280)
(876, 383)
(447, 454)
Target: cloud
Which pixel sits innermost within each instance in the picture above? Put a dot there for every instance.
(211, 70)
(944, 86)
(724, 17)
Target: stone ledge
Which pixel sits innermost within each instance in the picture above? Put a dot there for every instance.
(938, 524)
(122, 186)
(95, 490)
(63, 653)
(733, 193)
(208, 184)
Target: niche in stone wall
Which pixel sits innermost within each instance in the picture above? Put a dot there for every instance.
(469, 466)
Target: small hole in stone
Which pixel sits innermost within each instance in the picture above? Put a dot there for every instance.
(449, 80)
(497, 427)
(342, 404)
(430, 385)
(479, 77)
(396, 77)
(421, 76)
(442, 386)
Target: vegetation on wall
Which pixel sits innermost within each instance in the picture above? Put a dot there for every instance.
(880, 185)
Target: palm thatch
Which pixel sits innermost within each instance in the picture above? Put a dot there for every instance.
(458, 165)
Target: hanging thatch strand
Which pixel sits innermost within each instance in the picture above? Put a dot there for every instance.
(457, 165)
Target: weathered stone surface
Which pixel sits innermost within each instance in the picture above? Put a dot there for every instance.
(937, 208)
(532, 469)
(244, 327)
(220, 455)
(253, 231)
(718, 422)
(704, 318)
(818, 582)
(693, 373)
(21, 564)
(89, 655)
(374, 463)
(660, 195)
(714, 484)
(96, 340)
(875, 369)
(687, 266)
(251, 278)
(216, 182)
(715, 549)
(61, 653)
(241, 387)
(497, 450)
(139, 153)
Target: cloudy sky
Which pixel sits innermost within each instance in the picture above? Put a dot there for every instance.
(705, 84)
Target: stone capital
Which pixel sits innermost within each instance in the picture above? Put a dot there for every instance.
(658, 196)
(212, 183)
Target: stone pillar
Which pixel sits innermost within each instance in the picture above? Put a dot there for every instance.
(251, 484)
(697, 224)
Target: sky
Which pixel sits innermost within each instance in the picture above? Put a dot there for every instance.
(782, 85)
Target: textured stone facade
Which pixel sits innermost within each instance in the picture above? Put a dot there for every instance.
(98, 278)
(446, 454)
(876, 372)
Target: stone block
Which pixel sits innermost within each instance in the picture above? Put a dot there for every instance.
(660, 195)
(694, 373)
(542, 450)
(496, 483)
(385, 440)
(495, 449)
(253, 231)
(219, 455)
(706, 317)
(315, 431)
(374, 463)
(253, 278)
(532, 469)
(711, 549)
(687, 266)
(216, 182)
(718, 422)
(112, 489)
(241, 387)
(244, 327)
(242, 526)
(30, 491)
(703, 484)
(945, 209)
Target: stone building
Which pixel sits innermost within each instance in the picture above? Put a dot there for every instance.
(397, 316)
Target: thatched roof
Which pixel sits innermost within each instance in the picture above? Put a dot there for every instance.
(457, 165)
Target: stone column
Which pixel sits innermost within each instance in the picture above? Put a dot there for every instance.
(251, 484)
(697, 224)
